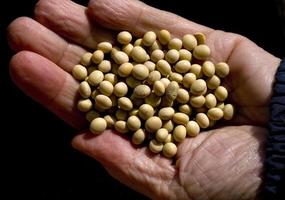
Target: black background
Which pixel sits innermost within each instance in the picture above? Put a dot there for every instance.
(37, 160)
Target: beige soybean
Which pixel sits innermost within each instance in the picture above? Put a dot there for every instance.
(153, 77)
(134, 112)
(152, 124)
(92, 114)
(103, 102)
(125, 69)
(200, 37)
(120, 89)
(105, 66)
(84, 89)
(114, 50)
(149, 38)
(112, 78)
(208, 68)
(168, 125)
(95, 78)
(220, 105)
(121, 115)
(158, 88)
(146, 111)
(79, 72)
(132, 82)
(98, 125)
(169, 150)
(138, 136)
(175, 43)
(221, 93)
(150, 65)
(163, 67)
(197, 70)
(153, 100)
(201, 52)
(198, 87)
(182, 96)
(98, 56)
(188, 80)
(179, 133)
(177, 77)
(222, 69)
(164, 37)
(180, 118)
(139, 55)
(141, 91)
(184, 54)
(157, 55)
(125, 103)
(120, 57)
(155, 45)
(228, 111)
(172, 90)
(189, 42)
(210, 101)
(133, 123)
(155, 146)
(121, 126)
(84, 105)
(215, 114)
(213, 82)
(197, 101)
(185, 108)
(166, 113)
(111, 120)
(182, 66)
(172, 56)
(192, 128)
(203, 120)
(140, 72)
(165, 82)
(138, 42)
(127, 48)
(169, 138)
(161, 134)
(106, 88)
(124, 37)
(86, 59)
(105, 47)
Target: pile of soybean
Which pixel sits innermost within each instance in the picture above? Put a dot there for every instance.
(157, 89)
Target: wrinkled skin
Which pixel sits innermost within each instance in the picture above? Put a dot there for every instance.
(224, 163)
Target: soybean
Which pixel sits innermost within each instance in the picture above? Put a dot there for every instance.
(169, 150)
(98, 125)
(79, 72)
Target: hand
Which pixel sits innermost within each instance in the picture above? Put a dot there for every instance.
(224, 163)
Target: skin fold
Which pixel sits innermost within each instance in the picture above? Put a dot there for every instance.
(223, 163)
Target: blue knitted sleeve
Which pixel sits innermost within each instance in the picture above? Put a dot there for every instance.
(274, 187)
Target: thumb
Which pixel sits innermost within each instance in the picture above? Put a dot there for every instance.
(138, 18)
(134, 166)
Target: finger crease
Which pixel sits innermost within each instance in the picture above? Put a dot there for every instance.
(63, 54)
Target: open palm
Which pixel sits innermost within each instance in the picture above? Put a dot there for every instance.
(224, 163)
